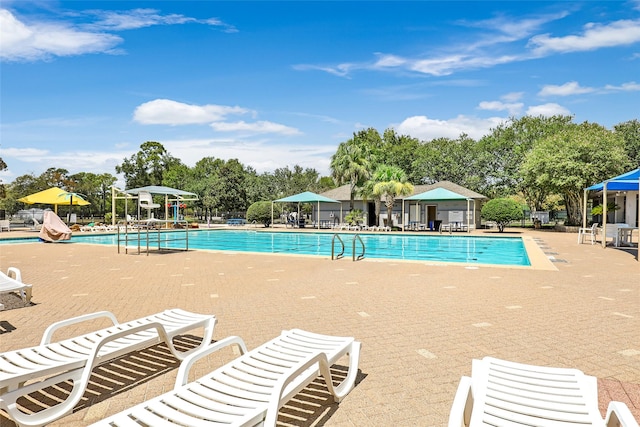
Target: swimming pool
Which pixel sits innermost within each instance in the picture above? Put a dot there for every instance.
(415, 247)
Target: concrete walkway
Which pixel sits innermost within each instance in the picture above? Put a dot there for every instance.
(420, 324)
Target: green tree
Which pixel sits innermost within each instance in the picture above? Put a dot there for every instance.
(630, 134)
(570, 160)
(231, 187)
(260, 212)
(56, 177)
(202, 182)
(351, 164)
(402, 151)
(3, 167)
(293, 181)
(502, 211)
(445, 159)
(259, 187)
(147, 166)
(390, 182)
(95, 189)
(21, 186)
(500, 154)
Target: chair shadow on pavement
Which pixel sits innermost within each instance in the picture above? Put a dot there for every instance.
(313, 405)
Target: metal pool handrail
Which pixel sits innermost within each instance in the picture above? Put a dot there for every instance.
(333, 243)
(359, 257)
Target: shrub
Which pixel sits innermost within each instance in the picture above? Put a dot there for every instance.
(354, 217)
(502, 212)
(260, 212)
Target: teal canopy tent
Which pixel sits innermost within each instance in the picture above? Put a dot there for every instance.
(306, 197)
(439, 195)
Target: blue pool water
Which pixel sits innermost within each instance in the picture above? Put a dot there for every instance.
(416, 247)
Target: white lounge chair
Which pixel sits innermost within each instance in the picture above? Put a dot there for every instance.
(251, 389)
(14, 284)
(73, 359)
(588, 231)
(502, 393)
(5, 225)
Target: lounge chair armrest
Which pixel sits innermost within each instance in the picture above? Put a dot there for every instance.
(185, 366)
(15, 272)
(462, 404)
(48, 333)
(619, 415)
(274, 403)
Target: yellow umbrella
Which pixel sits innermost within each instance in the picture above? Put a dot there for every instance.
(54, 196)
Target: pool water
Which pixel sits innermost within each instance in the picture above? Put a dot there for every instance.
(416, 247)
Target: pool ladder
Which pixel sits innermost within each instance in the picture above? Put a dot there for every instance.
(356, 237)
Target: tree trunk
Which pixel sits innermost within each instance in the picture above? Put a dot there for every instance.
(389, 203)
(573, 203)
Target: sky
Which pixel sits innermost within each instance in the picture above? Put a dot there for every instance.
(274, 84)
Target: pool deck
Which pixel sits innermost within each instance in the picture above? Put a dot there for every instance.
(420, 324)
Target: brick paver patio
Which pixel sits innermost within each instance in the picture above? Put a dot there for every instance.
(420, 324)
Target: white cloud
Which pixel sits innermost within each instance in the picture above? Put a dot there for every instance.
(168, 112)
(140, 18)
(625, 87)
(567, 89)
(173, 113)
(512, 108)
(574, 88)
(25, 154)
(263, 155)
(20, 41)
(255, 127)
(341, 70)
(41, 40)
(512, 97)
(74, 161)
(547, 110)
(498, 31)
(594, 36)
(425, 129)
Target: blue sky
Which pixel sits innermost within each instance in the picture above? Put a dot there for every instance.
(275, 84)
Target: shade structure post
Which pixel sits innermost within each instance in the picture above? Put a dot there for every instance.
(113, 205)
(584, 209)
(604, 215)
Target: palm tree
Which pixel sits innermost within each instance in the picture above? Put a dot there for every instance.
(351, 164)
(391, 181)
